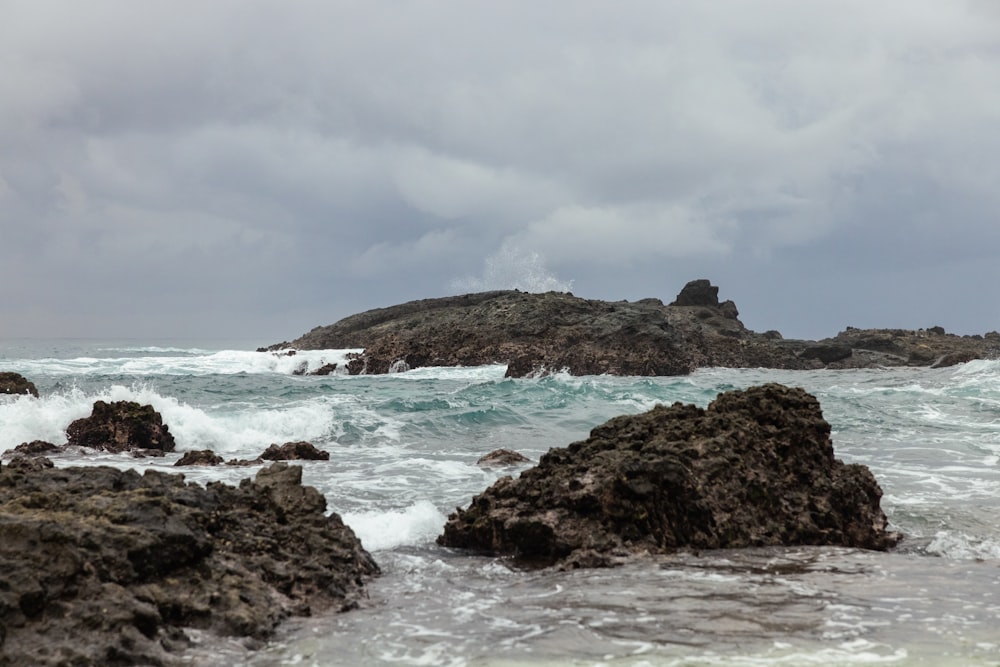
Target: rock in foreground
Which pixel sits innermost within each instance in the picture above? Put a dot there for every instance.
(756, 468)
(103, 566)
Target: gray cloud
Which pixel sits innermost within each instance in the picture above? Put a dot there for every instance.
(255, 168)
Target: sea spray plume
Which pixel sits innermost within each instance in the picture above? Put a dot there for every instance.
(513, 268)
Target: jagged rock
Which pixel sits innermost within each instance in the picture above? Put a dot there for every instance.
(325, 369)
(698, 293)
(108, 567)
(755, 468)
(34, 448)
(294, 451)
(15, 383)
(201, 457)
(121, 426)
(502, 457)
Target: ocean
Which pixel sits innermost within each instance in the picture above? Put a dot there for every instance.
(403, 450)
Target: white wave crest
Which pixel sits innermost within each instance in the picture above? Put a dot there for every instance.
(226, 362)
(240, 432)
(964, 547)
(378, 531)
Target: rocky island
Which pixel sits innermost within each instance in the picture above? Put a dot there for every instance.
(538, 333)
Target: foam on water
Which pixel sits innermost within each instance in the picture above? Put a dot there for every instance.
(403, 454)
(226, 431)
(192, 362)
(417, 524)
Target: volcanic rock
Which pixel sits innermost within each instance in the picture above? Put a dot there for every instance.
(15, 383)
(698, 293)
(201, 457)
(108, 567)
(756, 468)
(537, 334)
(34, 448)
(295, 451)
(121, 426)
(502, 457)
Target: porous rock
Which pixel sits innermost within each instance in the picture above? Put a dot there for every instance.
(502, 457)
(108, 567)
(15, 383)
(699, 292)
(295, 451)
(121, 426)
(200, 457)
(538, 334)
(34, 448)
(755, 468)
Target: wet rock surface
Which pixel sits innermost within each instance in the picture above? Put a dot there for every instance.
(539, 333)
(502, 457)
(755, 468)
(295, 451)
(15, 383)
(108, 567)
(121, 426)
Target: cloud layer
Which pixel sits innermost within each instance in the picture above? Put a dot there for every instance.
(255, 168)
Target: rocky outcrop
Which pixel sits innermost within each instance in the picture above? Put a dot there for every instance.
(34, 448)
(15, 383)
(908, 347)
(533, 334)
(121, 426)
(295, 451)
(108, 567)
(755, 468)
(200, 457)
(502, 458)
(538, 333)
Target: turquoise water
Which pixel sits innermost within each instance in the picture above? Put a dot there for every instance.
(403, 450)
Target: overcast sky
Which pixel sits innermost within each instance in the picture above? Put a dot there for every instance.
(240, 168)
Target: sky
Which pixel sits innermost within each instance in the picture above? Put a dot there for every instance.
(252, 169)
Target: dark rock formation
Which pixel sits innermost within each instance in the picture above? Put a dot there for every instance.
(107, 567)
(294, 451)
(15, 383)
(121, 426)
(698, 293)
(827, 353)
(34, 448)
(755, 468)
(29, 462)
(538, 333)
(201, 457)
(502, 457)
(907, 347)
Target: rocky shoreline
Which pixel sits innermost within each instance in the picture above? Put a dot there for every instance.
(109, 567)
(113, 567)
(129, 561)
(539, 333)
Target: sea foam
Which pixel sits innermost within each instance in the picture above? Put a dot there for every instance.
(417, 524)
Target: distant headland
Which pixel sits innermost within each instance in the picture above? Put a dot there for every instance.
(539, 333)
